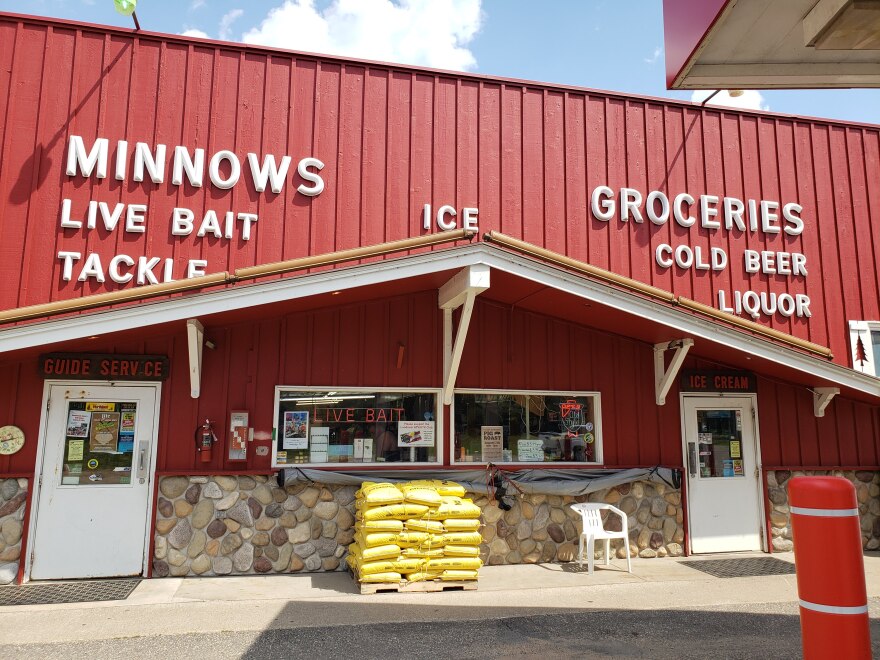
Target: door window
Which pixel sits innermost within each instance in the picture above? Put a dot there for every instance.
(719, 444)
(99, 443)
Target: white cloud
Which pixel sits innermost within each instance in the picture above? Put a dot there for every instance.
(421, 32)
(751, 99)
(197, 4)
(655, 56)
(226, 22)
(195, 33)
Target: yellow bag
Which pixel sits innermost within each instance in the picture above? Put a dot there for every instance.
(461, 525)
(379, 552)
(421, 576)
(461, 551)
(420, 494)
(403, 539)
(454, 563)
(396, 565)
(458, 575)
(421, 553)
(463, 538)
(443, 487)
(369, 526)
(430, 526)
(459, 508)
(388, 577)
(398, 511)
(381, 493)
(351, 561)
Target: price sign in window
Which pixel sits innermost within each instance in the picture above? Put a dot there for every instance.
(719, 443)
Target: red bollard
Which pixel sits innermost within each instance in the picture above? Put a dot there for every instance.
(830, 568)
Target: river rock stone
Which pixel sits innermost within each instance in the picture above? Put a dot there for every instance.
(309, 496)
(160, 569)
(313, 563)
(243, 558)
(8, 488)
(325, 547)
(283, 559)
(172, 487)
(165, 526)
(181, 535)
(165, 507)
(202, 514)
(288, 520)
(492, 514)
(176, 557)
(212, 547)
(300, 533)
(8, 572)
(216, 529)
(524, 529)
(292, 503)
(246, 483)
(647, 553)
(192, 494)
(328, 529)
(542, 517)
(255, 507)
(302, 514)
(240, 513)
(264, 524)
(279, 495)
(344, 518)
(326, 495)
(197, 544)
(227, 483)
(230, 544)
(304, 549)
(557, 516)
(212, 491)
(263, 495)
(12, 505)
(262, 565)
(296, 564)
(274, 510)
(556, 533)
(316, 527)
(567, 552)
(160, 547)
(330, 564)
(656, 540)
(326, 510)
(10, 530)
(222, 565)
(226, 502)
(344, 537)
(200, 565)
(182, 508)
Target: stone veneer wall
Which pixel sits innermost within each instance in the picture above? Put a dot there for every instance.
(867, 486)
(243, 525)
(13, 501)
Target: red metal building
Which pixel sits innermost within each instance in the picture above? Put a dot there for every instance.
(310, 252)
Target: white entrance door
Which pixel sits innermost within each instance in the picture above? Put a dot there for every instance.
(724, 506)
(92, 512)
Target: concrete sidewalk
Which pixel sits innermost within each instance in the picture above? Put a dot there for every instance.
(255, 603)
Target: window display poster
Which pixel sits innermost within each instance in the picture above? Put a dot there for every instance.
(492, 440)
(738, 470)
(415, 434)
(104, 436)
(320, 438)
(296, 430)
(75, 450)
(78, 424)
(530, 451)
(735, 449)
(728, 468)
(127, 420)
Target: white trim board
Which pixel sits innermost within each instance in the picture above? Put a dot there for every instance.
(263, 293)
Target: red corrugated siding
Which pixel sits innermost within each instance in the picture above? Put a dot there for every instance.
(394, 139)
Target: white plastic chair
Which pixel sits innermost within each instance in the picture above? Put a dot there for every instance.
(591, 516)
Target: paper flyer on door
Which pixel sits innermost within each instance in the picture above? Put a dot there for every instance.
(104, 436)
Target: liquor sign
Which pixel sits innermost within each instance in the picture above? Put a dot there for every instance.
(104, 366)
(717, 381)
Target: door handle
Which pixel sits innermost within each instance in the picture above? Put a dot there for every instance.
(143, 448)
(692, 458)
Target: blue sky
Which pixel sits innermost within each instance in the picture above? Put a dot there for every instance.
(603, 44)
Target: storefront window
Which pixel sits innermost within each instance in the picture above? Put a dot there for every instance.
(330, 427)
(533, 427)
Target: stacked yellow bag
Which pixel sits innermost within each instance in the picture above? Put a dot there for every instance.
(414, 531)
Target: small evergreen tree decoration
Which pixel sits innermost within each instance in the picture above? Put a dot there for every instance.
(861, 354)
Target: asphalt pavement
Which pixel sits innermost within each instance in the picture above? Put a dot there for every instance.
(664, 609)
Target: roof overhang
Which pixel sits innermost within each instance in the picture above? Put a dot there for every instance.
(770, 44)
(517, 280)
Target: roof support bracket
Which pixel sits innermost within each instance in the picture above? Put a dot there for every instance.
(195, 341)
(822, 397)
(460, 291)
(663, 376)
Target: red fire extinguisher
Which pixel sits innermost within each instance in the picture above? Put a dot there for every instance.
(205, 439)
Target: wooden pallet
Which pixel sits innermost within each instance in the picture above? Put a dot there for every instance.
(423, 586)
